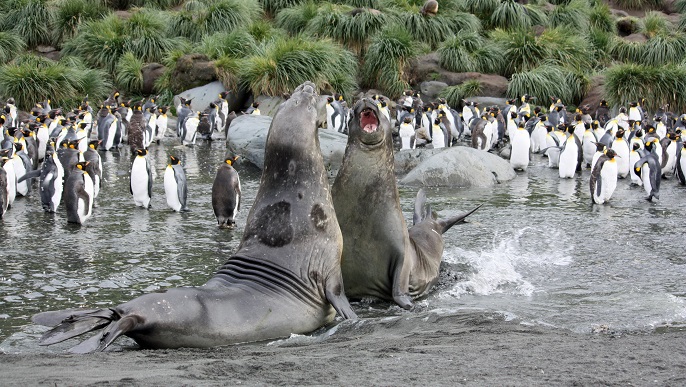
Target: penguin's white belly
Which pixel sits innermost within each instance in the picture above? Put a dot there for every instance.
(488, 132)
(623, 162)
(568, 161)
(191, 128)
(139, 183)
(588, 148)
(608, 176)
(519, 155)
(11, 183)
(170, 190)
(438, 138)
(111, 132)
(633, 158)
(553, 157)
(671, 159)
(20, 171)
(162, 122)
(645, 178)
(43, 137)
(537, 138)
(85, 210)
(406, 133)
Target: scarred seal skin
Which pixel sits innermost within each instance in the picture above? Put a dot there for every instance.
(285, 277)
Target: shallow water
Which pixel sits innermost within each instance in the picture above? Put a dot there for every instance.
(536, 253)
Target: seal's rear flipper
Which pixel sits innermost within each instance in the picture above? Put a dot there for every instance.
(447, 223)
(77, 324)
(55, 317)
(419, 204)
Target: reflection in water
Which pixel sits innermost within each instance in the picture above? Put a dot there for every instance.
(538, 250)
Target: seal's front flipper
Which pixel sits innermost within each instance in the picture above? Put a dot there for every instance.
(445, 224)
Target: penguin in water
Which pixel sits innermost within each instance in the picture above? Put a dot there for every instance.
(681, 164)
(634, 156)
(648, 168)
(600, 151)
(136, 128)
(226, 194)
(95, 166)
(175, 187)
(570, 156)
(4, 191)
(604, 178)
(163, 122)
(22, 166)
(621, 148)
(51, 181)
(588, 144)
(519, 155)
(78, 194)
(8, 167)
(189, 128)
(141, 179)
(669, 152)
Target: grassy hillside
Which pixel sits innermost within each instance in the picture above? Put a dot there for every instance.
(270, 46)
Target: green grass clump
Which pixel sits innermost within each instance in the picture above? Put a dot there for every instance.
(662, 85)
(11, 45)
(663, 49)
(236, 44)
(432, 30)
(623, 50)
(546, 80)
(99, 42)
(512, 15)
(272, 7)
(71, 13)
(33, 20)
(575, 15)
(206, 17)
(455, 94)
(469, 51)
(295, 19)
(129, 74)
(654, 23)
(601, 18)
(639, 4)
(29, 79)
(280, 65)
(146, 32)
(387, 59)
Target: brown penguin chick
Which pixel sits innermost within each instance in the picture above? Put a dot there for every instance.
(430, 8)
(136, 127)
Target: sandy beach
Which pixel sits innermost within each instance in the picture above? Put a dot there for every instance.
(465, 349)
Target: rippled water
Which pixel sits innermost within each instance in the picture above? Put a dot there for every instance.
(537, 251)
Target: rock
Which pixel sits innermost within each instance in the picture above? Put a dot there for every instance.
(193, 70)
(489, 101)
(151, 73)
(201, 96)
(248, 134)
(427, 67)
(432, 89)
(407, 160)
(460, 166)
(269, 105)
(637, 38)
(595, 93)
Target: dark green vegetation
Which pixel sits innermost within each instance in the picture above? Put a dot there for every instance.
(271, 46)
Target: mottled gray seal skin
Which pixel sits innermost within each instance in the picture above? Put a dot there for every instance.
(381, 258)
(284, 278)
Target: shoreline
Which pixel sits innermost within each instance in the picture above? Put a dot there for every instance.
(456, 349)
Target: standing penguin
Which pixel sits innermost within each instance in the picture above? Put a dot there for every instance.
(162, 123)
(669, 152)
(406, 133)
(648, 168)
(226, 194)
(175, 188)
(51, 181)
(438, 134)
(604, 178)
(95, 166)
(141, 179)
(8, 167)
(4, 192)
(78, 194)
(519, 156)
(621, 148)
(600, 151)
(189, 128)
(569, 156)
(681, 164)
(634, 156)
(136, 128)
(22, 166)
(254, 109)
(588, 144)
(334, 114)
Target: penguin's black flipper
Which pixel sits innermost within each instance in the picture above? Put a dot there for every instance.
(83, 195)
(679, 172)
(446, 224)
(78, 324)
(30, 175)
(596, 183)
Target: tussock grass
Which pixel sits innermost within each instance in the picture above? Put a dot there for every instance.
(515, 16)
(455, 94)
(147, 38)
(469, 51)
(295, 19)
(664, 49)
(629, 82)
(71, 13)
(206, 17)
(129, 74)
(236, 44)
(280, 65)
(546, 80)
(387, 59)
(30, 79)
(99, 42)
(601, 18)
(353, 31)
(433, 30)
(33, 20)
(639, 4)
(654, 23)
(11, 45)
(575, 15)
(271, 7)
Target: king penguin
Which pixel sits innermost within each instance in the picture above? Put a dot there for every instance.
(681, 164)
(648, 168)
(569, 156)
(141, 179)
(22, 166)
(163, 122)
(519, 156)
(4, 191)
(78, 194)
(175, 187)
(334, 114)
(621, 148)
(95, 166)
(226, 194)
(51, 181)
(604, 178)
(406, 133)
(634, 156)
(189, 128)
(8, 167)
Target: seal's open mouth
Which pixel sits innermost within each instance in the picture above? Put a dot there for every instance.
(368, 120)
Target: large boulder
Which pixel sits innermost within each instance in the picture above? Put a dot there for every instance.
(248, 134)
(202, 96)
(460, 166)
(193, 70)
(595, 93)
(151, 73)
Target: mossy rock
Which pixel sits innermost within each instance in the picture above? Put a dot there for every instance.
(193, 70)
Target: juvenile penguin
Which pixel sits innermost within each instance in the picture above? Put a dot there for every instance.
(78, 194)
(175, 187)
(604, 178)
(648, 168)
(226, 194)
(519, 156)
(136, 130)
(141, 179)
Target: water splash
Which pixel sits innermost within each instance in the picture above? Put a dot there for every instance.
(513, 261)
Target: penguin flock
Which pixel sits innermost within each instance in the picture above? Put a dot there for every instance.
(57, 152)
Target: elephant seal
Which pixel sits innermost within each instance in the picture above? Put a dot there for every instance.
(381, 257)
(284, 278)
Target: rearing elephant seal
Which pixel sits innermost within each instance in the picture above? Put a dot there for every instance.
(284, 278)
(381, 258)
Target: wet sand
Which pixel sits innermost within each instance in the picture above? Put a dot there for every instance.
(434, 350)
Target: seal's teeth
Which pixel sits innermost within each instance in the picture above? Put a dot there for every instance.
(369, 128)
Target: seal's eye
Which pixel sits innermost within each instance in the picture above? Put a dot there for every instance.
(368, 120)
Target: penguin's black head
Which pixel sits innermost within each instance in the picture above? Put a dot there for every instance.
(620, 133)
(637, 146)
(622, 109)
(407, 119)
(173, 160)
(255, 104)
(231, 160)
(639, 132)
(537, 109)
(577, 117)
(223, 94)
(329, 99)
(83, 125)
(141, 151)
(82, 165)
(18, 146)
(94, 144)
(595, 125)
(599, 146)
(163, 109)
(610, 153)
(603, 103)
(513, 115)
(650, 129)
(633, 104)
(658, 118)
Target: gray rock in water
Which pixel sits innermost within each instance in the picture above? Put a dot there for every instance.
(409, 159)
(460, 166)
(201, 96)
(248, 134)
